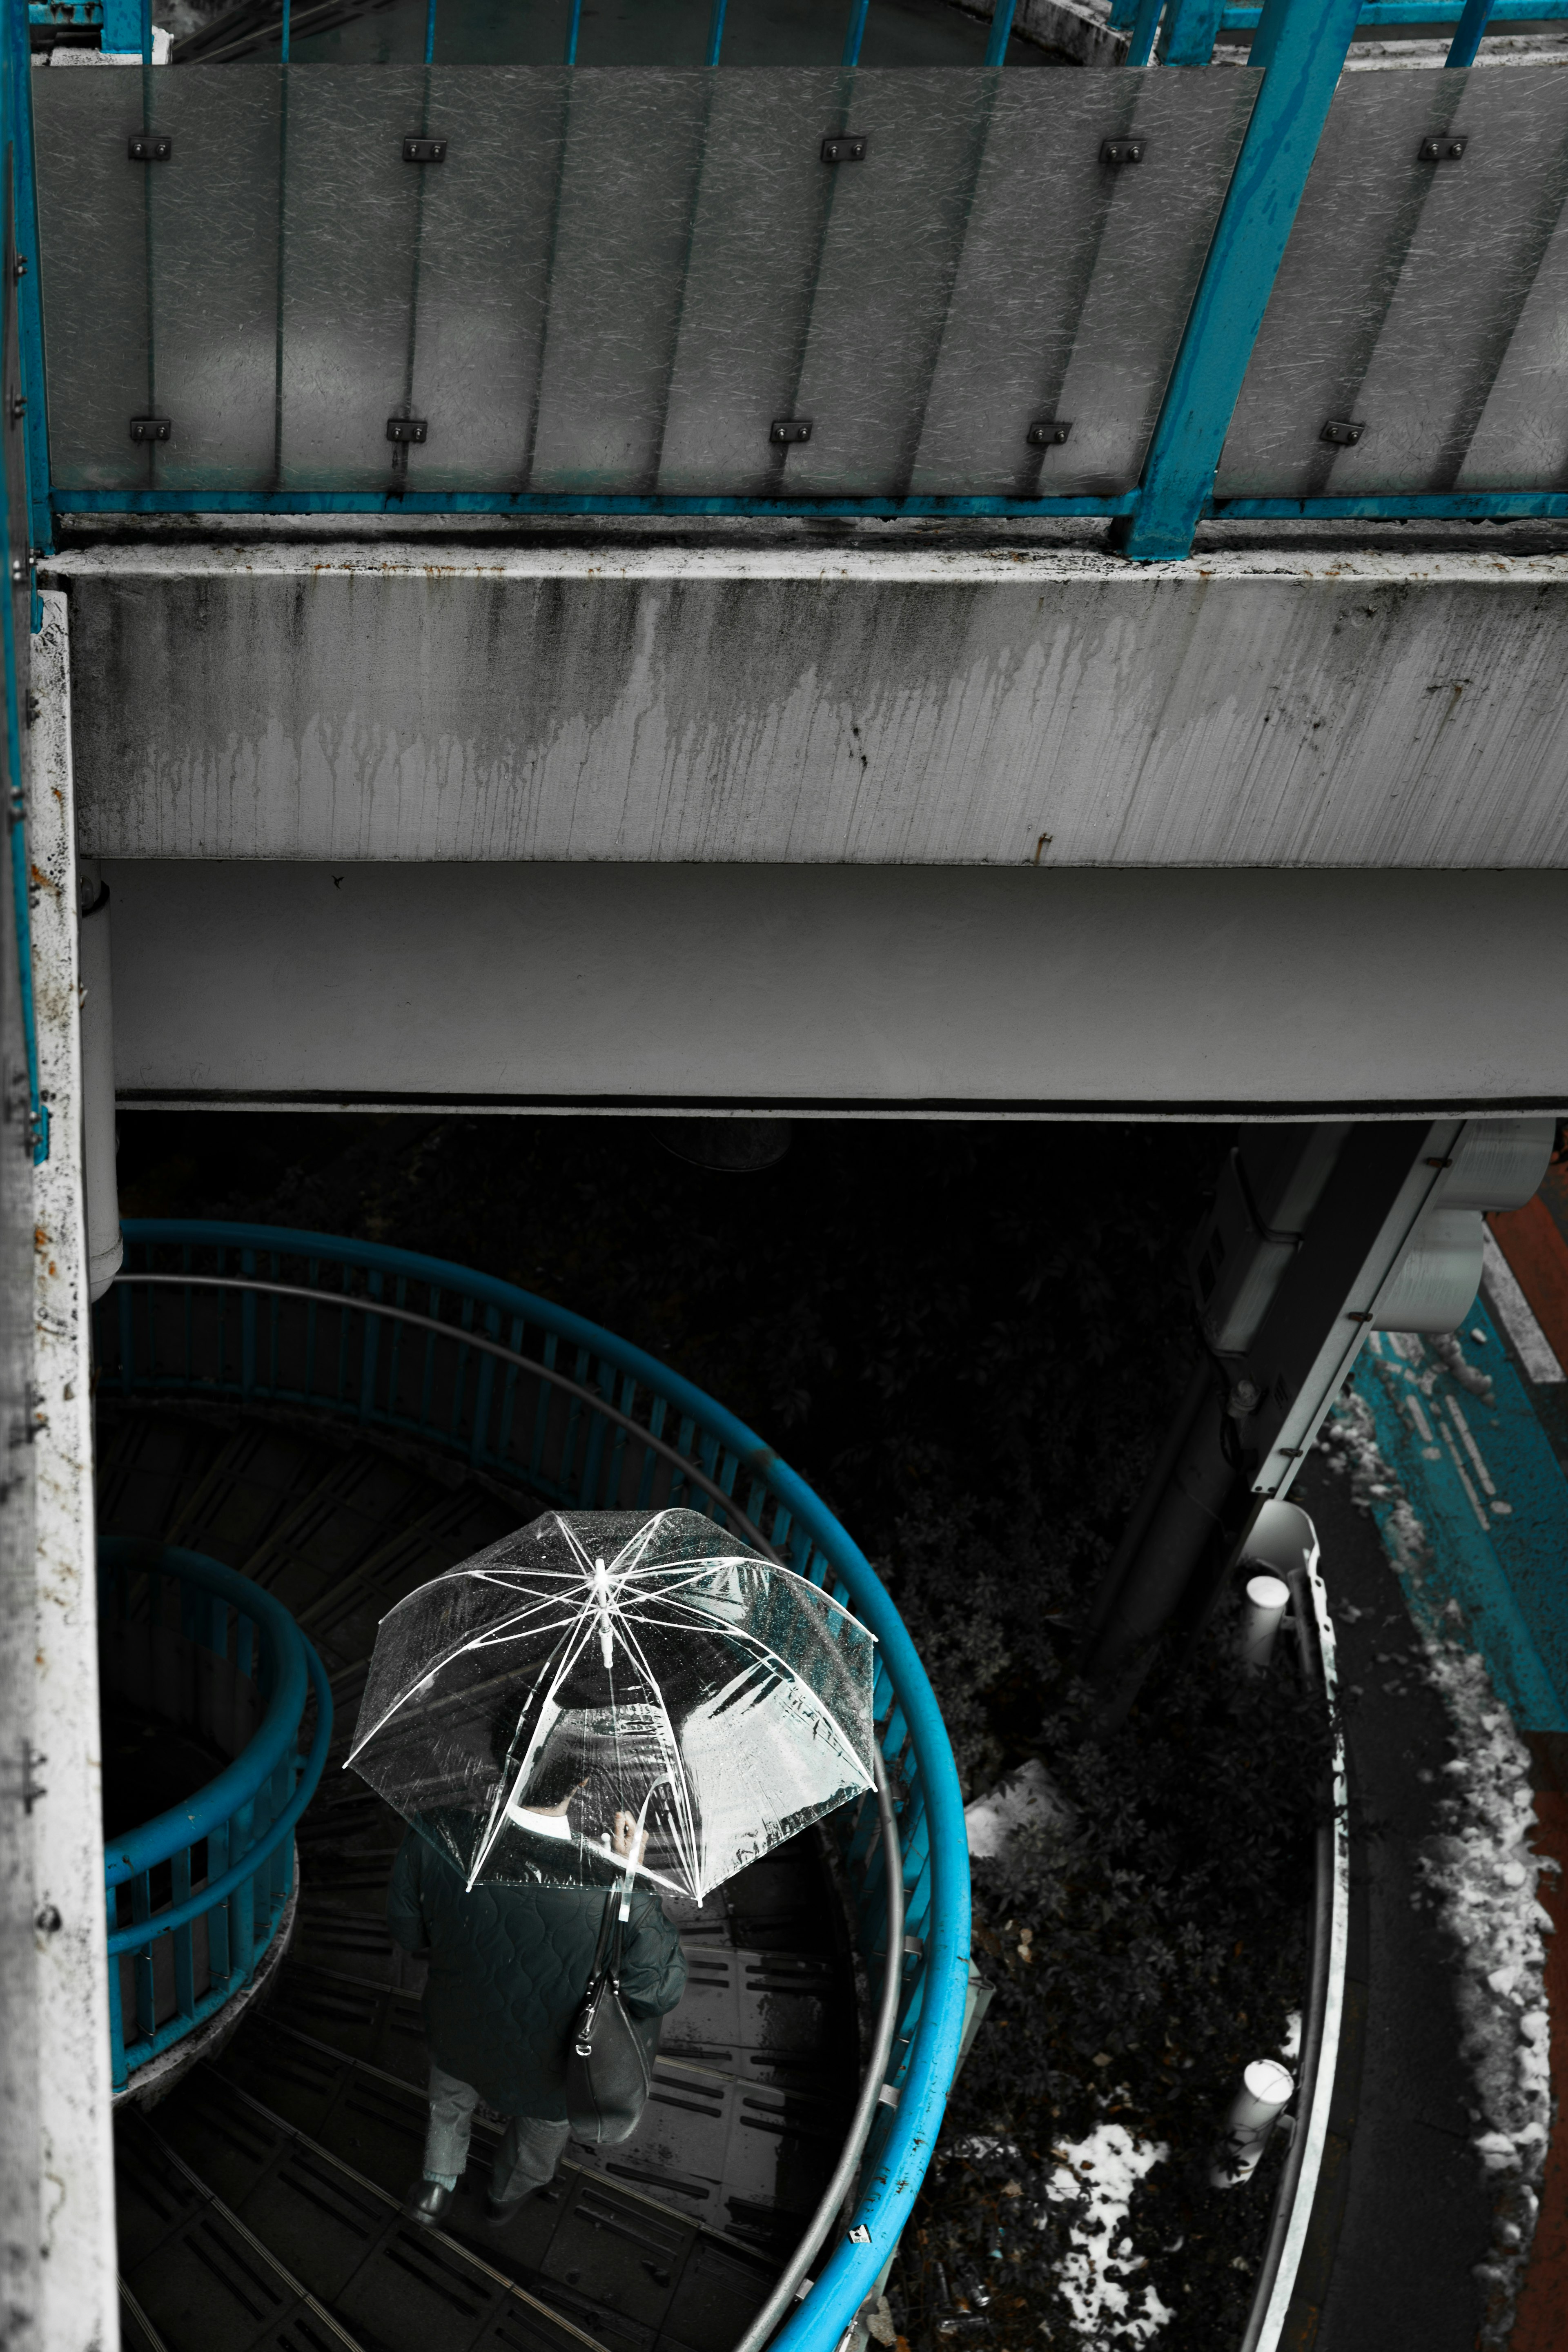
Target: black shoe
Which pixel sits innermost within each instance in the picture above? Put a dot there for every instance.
(499, 2216)
(426, 2202)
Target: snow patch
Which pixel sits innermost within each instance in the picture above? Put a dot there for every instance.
(1480, 1877)
(1098, 2274)
(1026, 1799)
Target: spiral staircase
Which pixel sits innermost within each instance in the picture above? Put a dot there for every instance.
(260, 2197)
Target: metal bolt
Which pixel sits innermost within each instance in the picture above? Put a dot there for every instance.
(49, 1921)
(18, 571)
(18, 406)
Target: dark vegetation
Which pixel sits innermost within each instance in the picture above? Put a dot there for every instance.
(969, 1338)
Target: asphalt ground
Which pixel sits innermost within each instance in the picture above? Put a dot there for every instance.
(1414, 2207)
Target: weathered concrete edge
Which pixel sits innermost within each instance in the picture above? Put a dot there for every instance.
(77, 2155)
(880, 566)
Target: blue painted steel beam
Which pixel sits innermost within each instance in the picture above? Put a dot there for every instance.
(1301, 47)
(1187, 35)
(551, 503)
(1001, 32)
(29, 293)
(1402, 506)
(66, 14)
(1141, 40)
(1417, 12)
(1468, 39)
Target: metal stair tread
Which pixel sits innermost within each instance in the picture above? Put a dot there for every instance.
(404, 2090)
(206, 2205)
(387, 1996)
(589, 2205)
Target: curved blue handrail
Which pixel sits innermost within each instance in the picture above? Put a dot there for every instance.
(621, 1419)
(245, 1816)
(157, 1840)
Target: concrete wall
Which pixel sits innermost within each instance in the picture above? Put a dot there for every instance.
(884, 703)
(837, 988)
(79, 2302)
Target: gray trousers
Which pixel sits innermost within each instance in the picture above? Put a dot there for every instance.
(526, 2158)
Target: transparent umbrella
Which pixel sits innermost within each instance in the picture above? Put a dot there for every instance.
(601, 1665)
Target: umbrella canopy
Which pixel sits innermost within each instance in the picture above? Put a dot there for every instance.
(599, 1663)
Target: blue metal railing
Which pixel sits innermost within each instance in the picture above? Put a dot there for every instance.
(423, 1351)
(1301, 45)
(228, 1851)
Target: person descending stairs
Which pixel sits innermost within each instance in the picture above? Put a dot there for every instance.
(262, 2200)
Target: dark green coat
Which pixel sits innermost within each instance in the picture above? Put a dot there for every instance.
(509, 1967)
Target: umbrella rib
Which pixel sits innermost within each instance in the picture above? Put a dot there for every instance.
(568, 1660)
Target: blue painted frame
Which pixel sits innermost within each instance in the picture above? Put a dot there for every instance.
(524, 503)
(1301, 48)
(1299, 45)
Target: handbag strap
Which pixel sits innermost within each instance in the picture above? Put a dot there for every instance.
(608, 1945)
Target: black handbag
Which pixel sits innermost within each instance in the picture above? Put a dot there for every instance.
(609, 2058)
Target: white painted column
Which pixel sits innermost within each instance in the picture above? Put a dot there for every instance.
(79, 2306)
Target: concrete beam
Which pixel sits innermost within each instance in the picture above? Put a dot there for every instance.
(890, 701)
(819, 988)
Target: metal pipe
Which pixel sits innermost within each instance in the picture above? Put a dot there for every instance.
(715, 31)
(1145, 24)
(1467, 37)
(793, 2282)
(430, 31)
(105, 1242)
(1000, 33)
(855, 32)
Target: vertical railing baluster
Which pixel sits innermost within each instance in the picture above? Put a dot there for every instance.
(1467, 38)
(514, 1340)
(1000, 33)
(184, 1955)
(246, 1327)
(542, 1411)
(484, 1392)
(142, 1964)
(603, 1377)
(369, 1352)
(651, 1460)
(119, 2073)
(281, 1868)
(241, 1903)
(1145, 24)
(1301, 48)
(218, 1968)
